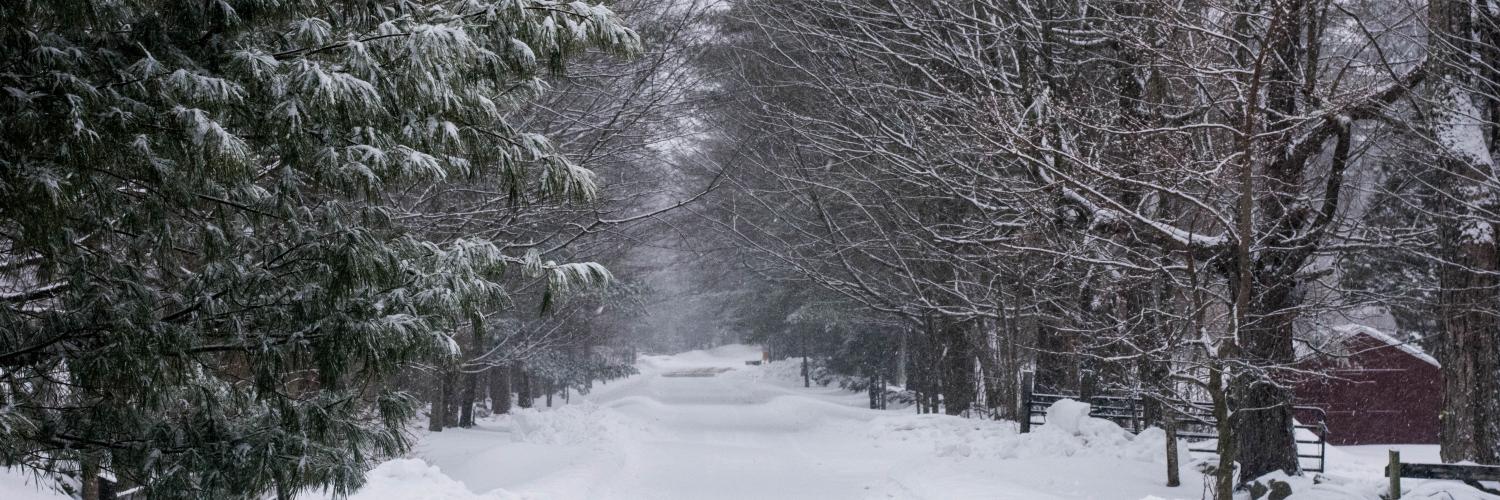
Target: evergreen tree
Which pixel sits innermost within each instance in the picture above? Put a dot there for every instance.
(203, 276)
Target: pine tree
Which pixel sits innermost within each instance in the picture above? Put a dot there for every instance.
(203, 279)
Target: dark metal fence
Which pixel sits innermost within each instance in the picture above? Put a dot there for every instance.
(1195, 421)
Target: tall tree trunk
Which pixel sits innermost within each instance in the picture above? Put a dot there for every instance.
(1174, 478)
(806, 377)
(1470, 420)
(957, 367)
(466, 400)
(1265, 302)
(500, 392)
(1469, 348)
(437, 416)
(1263, 408)
(284, 490)
(1014, 364)
(903, 352)
(89, 480)
(524, 397)
(451, 389)
(470, 381)
(1224, 469)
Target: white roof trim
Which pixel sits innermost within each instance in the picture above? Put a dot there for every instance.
(1410, 348)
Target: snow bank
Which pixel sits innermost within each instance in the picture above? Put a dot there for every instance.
(572, 424)
(414, 479)
(1068, 415)
(1001, 440)
(16, 484)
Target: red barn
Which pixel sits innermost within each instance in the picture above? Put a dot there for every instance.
(1379, 390)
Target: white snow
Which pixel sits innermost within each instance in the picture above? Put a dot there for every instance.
(18, 485)
(755, 432)
(1410, 348)
(414, 479)
(1067, 415)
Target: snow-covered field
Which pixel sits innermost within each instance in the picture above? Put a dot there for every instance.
(731, 431)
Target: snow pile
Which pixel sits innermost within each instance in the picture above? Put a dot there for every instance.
(414, 479)
(1069, 432)
(568, 425)
(1068, 415)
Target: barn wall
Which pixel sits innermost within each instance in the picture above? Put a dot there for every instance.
(1380, 395)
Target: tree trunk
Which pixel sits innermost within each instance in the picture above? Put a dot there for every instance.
(451, 389)
(1263, 408)
(1470, 420)
(902, 353)
(1469, 348)
(1174, 478)
(957, 367)
(1266, 282)
(1224, 470)
(466, 400)
(524, 397)
(806, 377)
(89, 480)
(470, 381)
(500, 389)
(284, 490)
(990, 371)
(437, 416)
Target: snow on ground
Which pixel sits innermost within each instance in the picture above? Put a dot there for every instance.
(703, 425)
(18, 485)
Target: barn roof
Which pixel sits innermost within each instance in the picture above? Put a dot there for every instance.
(1346, 331)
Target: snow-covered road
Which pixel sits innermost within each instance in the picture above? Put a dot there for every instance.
(755, 432)
(739, 432)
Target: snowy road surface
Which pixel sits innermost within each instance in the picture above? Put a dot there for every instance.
(755, 432)
(733, 431)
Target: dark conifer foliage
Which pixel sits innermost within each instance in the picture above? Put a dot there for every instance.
(204, 273)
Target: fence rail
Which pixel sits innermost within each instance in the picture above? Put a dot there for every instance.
(1195, 421)
(1469, 474)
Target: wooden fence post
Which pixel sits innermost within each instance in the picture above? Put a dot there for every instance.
(1394, 470)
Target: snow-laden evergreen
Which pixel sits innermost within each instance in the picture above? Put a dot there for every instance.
(203, 281)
